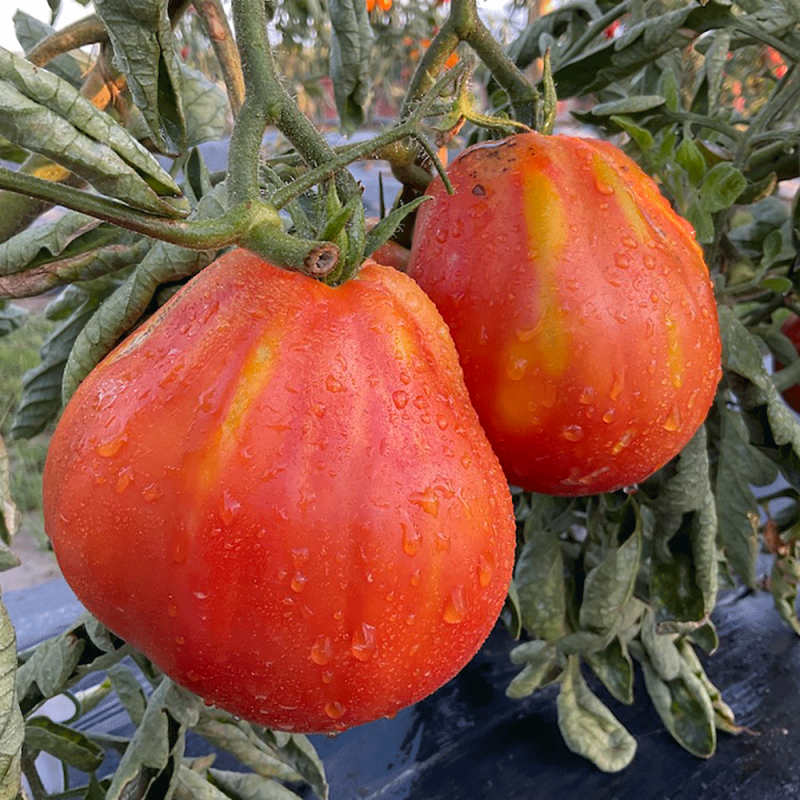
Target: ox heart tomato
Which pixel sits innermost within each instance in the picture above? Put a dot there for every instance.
(791, 330)
(280, 493)
(580, 306)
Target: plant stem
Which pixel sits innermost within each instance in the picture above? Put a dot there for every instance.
(215, 25)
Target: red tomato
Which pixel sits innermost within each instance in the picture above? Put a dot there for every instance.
(791, 330)
(280, 493)
(580, 306)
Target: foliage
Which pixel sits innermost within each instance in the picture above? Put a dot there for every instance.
(704, 96)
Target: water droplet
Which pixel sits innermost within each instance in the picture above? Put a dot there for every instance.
(416, 578)
(412, 540)
(411, 619)
(587, 396)
(298, 582)
(604, 188)
(525, 335)
(363, 642)
(516, 368)
(427, 501)
(442, 541)
(400, 398)
(321, 650)
(455, 609)
(318, 409)
(334, 709)
(333, 384)
(327, 677)
(622, 260)
(229, 508)
(572, 433)
(124, 479)
(466, 461)
(420, 402)
(179, 546)
(172, 608)
(629, 241)
(609, 415)
(151, 493)
(649, 261)
(485, 569)
(441, 422)
(673, 421)
(618, 385)
(441, 235)
(110, 448)
(624, 441)
(405, 378)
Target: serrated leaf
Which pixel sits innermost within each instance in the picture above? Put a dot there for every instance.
(539, 578)
(714, 65)
(30, 31)
(588, 727)
(721, 187)
(542, 667)
(11, 722)
(685, 709)
(144, 49)
(739, 467)
(351, 45)
(610, 584)
(783, 583)
(614, 667)
(64, 743)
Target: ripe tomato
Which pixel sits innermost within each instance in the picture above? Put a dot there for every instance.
(580, 306)
(280, 493)
(791, 330)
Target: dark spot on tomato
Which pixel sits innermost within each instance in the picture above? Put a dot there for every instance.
(479, 190)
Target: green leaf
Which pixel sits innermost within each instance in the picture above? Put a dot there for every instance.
(30, 93)
(723, 183)
(642, 137)
(610, 585)
(739, 467)
(30, 31)
(129, 692)
(64, 743)
(10, 517)
(542, 666)
(714, 65)
(660, 648)
(298, 753)
(668, 85)
(689, 157)
(11, 723)
(614, 667)
(588, 727)
(250, 787)
(144, 49)
(207, 108)
(783, 583)
(383, 231)
(539, 578)
(152, 758)
(11, 317)
(351, 45)
(702, 222)
(50, 666)
(40, 402)
(684, 572)
(628, 105)
(685, 709)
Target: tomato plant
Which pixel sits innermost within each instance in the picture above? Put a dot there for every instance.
(580, 305)
(791, 330)
(294, 512)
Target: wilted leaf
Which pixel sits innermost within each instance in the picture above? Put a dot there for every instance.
(539, 578)
(299, 754)
(614, 667)
(129, 692)
(11, 317)
(64, 743)
(144, 49)
(11, 723)
(351, 45)
(30, 31)
(10, 516)
(588, 727)
(610, 584)
(783, 583)
(739, 467)
(207, 108)
(543, 665)
(50, 665)
(714, 64)
(250, 787)
(685, 709)
(661, 649)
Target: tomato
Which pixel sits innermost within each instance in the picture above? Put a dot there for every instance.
(580, 305)
(280, 493)
(791, 330)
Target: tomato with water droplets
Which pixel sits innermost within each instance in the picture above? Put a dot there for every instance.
(580, 306)
(242, 496)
